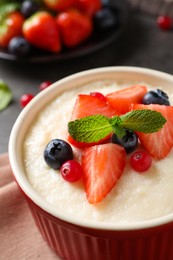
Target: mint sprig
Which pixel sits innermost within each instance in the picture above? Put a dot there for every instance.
(144, 120)
(94, 128)
(5, 95)
(90, 129)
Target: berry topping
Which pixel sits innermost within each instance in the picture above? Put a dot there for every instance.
(93, 129)
(98, 95)
(164, 22)
(102, 167)
(57, 152)
(19, 46)
(71, 171)
(78, 144)
(140, 161)
(25, 99)
(158, 144)
(87, 105)
(129, 141)
(44, 85)
(156, 97)
(122, 99)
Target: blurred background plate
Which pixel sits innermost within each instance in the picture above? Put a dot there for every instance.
(97, 41)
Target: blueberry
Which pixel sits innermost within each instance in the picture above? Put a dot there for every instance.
(156, 97)
(57, 152)
(129, 141)
(19, 46)
(105, 19)
(29, 7)
(105, 2)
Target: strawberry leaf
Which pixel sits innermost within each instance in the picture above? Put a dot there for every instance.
(144, 120)
(90, 129)
(5, 95)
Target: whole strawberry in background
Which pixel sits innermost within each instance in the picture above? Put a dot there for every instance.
(52, 25)
(89, 7)
(41, 31)
(10, 26)
(59, 5)
(74, 27)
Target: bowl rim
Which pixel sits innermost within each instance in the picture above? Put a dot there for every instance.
(36, 198)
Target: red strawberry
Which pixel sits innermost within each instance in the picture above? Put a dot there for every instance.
(87, 105)
(11, 26)
(74, 27)
(158, 144)
(59, 5)
(89, 7)
(122, 99)
(42, 32)
(82, 144)
(102, 167)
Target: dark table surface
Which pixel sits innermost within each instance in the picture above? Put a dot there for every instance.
(141, 44)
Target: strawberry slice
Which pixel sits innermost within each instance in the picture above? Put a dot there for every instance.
(158, 144)
(83, 145)
(102, 167)
(87, 105)
(122, 99)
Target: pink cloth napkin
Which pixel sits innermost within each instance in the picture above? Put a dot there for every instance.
(19, 237)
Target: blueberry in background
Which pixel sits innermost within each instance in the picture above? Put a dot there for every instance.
(105, 2)
(19, 46)
(29, 7)
(105, 19)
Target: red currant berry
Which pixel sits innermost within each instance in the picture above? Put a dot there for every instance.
(164, 22)
(71, 171)
(44, 85)
(98, 95)
(140, 161)
(25, 99)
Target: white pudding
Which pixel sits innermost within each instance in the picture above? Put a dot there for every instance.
(136, 197)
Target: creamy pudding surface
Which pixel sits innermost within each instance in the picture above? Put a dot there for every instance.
(136, 196)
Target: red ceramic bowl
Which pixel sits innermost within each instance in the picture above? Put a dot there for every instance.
(76, 239)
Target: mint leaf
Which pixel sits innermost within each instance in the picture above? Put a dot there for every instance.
(5, 95)
(144, 120)
(90, 129)
(116, 126)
